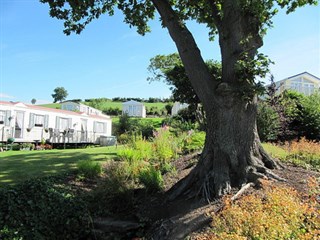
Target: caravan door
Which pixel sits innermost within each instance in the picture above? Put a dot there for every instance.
(19, 124)
(84, 130)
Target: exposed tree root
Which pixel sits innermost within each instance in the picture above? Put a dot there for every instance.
(180, 226)
(274, 176)
(241, 191)
(205, 181)
(191, 186)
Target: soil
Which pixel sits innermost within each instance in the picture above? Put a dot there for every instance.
(162, 219)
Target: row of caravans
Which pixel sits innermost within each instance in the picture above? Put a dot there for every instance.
(32, 123)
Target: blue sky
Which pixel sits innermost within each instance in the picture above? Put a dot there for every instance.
(109, 59)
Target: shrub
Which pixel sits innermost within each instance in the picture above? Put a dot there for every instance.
(114, 193)
(42, 209)
(112, 111)
(178, 125)
(268, 122)
(124, 138)
(89, 169)
(303, 113)
(124, 124)
(151, 179)
(146, 129)
(143, 149)
(14, 146)
(310, 117)
(280, 214)
(193, 141)
(134, 160)
(165, 145)
(303, 153)
(127, 154)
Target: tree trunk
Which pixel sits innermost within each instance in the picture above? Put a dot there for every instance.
(232, 155)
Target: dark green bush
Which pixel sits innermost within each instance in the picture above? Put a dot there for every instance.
(14, 146)
(134, 126)
(112, 111)
(42, 209)
(124, 124)
(268, 122)
(146, 129)
(178, 125)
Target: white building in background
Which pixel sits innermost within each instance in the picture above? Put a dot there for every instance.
(79, 107)
(304, 83)
(32, 123)
(134, 109)
(177, 106)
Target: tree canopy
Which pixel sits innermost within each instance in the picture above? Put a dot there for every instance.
(170, 69)
(60, 94)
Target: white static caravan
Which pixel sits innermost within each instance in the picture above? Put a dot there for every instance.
(177, 106)
(134, 109)
(79, 107)
(31, 123)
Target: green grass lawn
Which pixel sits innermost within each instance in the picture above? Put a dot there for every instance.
(51, 105)
(18, 166)
(275, 151)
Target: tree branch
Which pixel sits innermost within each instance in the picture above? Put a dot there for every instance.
(197, 71)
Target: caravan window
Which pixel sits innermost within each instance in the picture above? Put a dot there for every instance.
(38, 120)
(2, 116)
(99, 127)
(64, 123)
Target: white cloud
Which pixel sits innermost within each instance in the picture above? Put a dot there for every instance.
(3, 95)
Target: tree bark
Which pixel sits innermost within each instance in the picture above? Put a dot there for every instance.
(232, 155)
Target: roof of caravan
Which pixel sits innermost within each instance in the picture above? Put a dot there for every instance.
(131, 102)
(36, 107)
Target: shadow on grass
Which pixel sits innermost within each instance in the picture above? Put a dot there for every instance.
(20, 166)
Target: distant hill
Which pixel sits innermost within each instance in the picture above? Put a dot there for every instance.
(104, 105)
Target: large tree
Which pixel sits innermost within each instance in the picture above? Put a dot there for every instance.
(232, 154)
(59, 94)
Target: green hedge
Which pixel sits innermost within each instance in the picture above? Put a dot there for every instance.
(42, 209)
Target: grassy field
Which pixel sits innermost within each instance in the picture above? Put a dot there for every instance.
(51, 105)
(106, 105)
(156, 121)
(18, 166)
